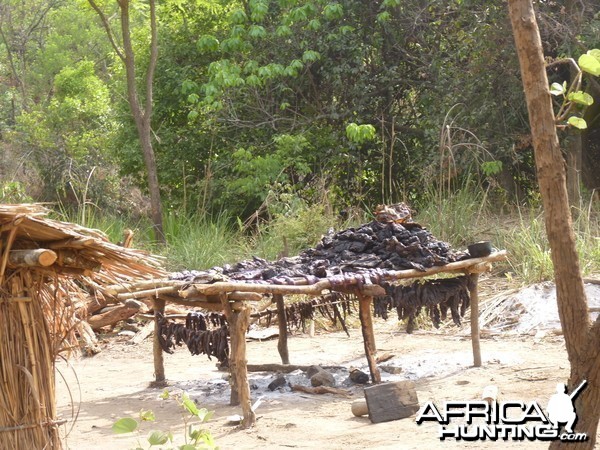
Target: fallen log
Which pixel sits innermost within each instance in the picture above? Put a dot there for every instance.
(114, 315)
(320, 390)
(34, 257)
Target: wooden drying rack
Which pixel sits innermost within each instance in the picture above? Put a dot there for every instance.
(231, 298)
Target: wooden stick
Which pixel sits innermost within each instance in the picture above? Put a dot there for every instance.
(141, 285)
(7, 247)
(320, 390)
(366, 325)
(156, 292)
(282, 345)
(33, 257)
(473, 293)
(159, 363)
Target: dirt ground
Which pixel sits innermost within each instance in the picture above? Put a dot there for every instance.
(115, 383)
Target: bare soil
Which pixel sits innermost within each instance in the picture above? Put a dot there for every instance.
(115, 383)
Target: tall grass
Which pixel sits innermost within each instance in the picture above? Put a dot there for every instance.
(200, 242)
(458, 217)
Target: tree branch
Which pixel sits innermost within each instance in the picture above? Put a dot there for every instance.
(109, 32)
(153, 60)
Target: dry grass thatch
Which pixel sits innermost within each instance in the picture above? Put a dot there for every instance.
(37, 319)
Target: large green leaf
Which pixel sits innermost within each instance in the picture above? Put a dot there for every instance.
(189, 405)
(581, 98)
(577, 122)
(589, 64)
(158, 438)
(125, 425)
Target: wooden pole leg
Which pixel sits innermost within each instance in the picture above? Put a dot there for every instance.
(282, 344)
(366, 325)
(159, 363)
(238, 323)
(473, 293)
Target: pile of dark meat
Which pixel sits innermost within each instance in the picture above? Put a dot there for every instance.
(366, 252)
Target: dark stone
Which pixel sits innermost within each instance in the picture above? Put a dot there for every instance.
(278, 382)
(359, 377)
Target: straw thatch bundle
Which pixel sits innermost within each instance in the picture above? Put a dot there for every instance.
(43, 265)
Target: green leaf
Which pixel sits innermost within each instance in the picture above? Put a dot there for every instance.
(189, 405)
(165, 395)
(205, 415)
(314, 25)
(283, 31)
(192, 115)
(595, 52)
(310, 56)
(193, 98)
(333, 11)
(238, 16)
(208, 43)
(147, 415)
(257, 31)
(577, 122)
(589, 64)
(556, 89)
(158, 438)
(384, 17)
(581, 98)
(259, 10)
(124, 425)
(187, 447)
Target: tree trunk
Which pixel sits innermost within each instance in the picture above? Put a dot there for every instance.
(581, 340)
(142, 115)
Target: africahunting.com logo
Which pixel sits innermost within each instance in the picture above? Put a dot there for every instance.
(513, 420)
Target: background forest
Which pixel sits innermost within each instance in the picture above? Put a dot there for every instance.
(273, 120)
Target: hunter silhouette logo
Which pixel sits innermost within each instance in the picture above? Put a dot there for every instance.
(513, 420)
(561, 408)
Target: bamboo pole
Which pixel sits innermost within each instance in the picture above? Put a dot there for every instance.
(473, 293)
(282, 344)
(159, 363)
(366, 325)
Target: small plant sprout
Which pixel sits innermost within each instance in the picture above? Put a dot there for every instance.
(195, 438)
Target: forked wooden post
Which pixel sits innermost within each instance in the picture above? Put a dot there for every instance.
(282, 344)
(159, 363)
(366, 325)
(473, 281)
(240, 389)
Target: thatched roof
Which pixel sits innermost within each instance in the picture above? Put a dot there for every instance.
(43, 265)
(80, 251)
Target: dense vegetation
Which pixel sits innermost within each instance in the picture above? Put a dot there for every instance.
(284, 117)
